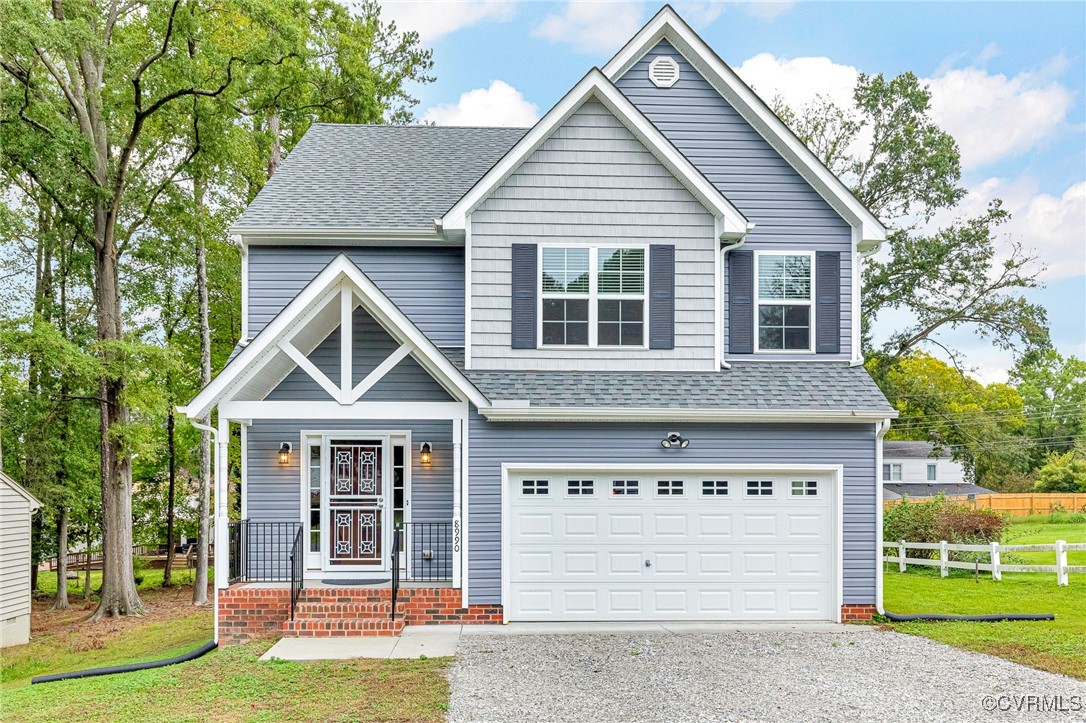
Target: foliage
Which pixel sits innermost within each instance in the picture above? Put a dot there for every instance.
(1062, 473)
(1053, 391)
(1058, 646)
(902, 166)
(940, 519)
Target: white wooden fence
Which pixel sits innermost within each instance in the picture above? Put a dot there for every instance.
(993, 550)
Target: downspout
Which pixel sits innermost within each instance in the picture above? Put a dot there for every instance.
(880, 431)
(214, 466)
(723, 275)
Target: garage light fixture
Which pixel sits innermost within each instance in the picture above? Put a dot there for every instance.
(674, 439)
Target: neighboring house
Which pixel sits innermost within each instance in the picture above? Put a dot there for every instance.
(914, 469)
(17, 506)
(606, 368)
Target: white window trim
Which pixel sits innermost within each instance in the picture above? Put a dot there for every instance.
(803, 493)
(716, 488)
(581, 493)
(888, 471)
(594, 297)
(626, 488)
(931, 473)
(682, 488)
(773, 488)
(783, 302)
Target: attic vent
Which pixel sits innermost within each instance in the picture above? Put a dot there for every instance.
(664, 72)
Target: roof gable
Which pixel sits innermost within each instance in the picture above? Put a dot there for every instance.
(321, 307)
(730, 222)
(35, 503)
(667, 25)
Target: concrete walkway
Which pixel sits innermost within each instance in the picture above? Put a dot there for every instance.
(436, 641)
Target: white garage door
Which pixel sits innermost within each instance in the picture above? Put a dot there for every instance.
(705, 545)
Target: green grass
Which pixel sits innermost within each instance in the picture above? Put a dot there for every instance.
(1058, 646)
(1042, 533)
(231, 684)
(151, 579)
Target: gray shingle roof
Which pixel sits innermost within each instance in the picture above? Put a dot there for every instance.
(907, 450)
(930, 490)
(747, 385)
(376, 176)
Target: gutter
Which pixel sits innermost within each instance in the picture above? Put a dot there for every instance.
(723, 273)
(521, 411)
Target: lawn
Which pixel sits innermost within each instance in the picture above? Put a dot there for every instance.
(1033, 533)
(228, 684)
(1058, 646)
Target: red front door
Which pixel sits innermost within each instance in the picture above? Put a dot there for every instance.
(356, 501)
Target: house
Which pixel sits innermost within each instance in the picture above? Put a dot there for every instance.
(914, 469)
(605, 368)
(17, 507)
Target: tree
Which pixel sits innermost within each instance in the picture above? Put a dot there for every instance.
(1053, 389)
(903, 167)
(1062, 473)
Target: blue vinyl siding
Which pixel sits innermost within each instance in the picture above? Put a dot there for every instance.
(427, 283)
(491, 445)
(787, 211)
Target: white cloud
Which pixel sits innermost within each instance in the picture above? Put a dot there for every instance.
(592, 27)
(995, 117)
(498, 105)
(799, 80)
(433, 19)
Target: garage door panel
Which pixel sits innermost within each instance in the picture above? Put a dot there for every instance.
(709, 557)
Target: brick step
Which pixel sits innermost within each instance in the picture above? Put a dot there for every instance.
(343, 609)
(342, 627)
(345, 595)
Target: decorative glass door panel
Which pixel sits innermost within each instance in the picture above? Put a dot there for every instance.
(356, 504)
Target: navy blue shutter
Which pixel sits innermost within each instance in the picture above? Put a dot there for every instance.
(661, 296)
(525, 284)
(741, 302)
(828, 302)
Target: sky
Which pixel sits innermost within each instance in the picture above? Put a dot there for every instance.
(1008, 81)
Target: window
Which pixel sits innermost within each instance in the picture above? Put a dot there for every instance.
(759, 488)
(784, 302)
(804, 488)
(714, 487)
(314, 498)
(580, 487)
(535, 487)
(891, 472)
(932, 472)
(626, 487)
(669, 487)
(593, 296)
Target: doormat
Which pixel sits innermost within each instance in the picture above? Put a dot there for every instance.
(346, 583)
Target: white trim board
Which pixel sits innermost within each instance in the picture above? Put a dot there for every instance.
(513, 412)
(596, 85)
(667, 25)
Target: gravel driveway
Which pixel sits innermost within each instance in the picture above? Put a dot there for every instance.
(801, 676)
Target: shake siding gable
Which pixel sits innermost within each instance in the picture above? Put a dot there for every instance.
(787, 212)
(593, 183)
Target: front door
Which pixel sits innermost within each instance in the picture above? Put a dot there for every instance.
(356, 529)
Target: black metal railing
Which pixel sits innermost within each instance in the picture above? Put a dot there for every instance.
(395, 569)
(428, 551)
(297, 570)
(262, 551)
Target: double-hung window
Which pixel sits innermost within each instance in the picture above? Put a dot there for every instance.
(785, 290)
(891, 472)
(593, 296)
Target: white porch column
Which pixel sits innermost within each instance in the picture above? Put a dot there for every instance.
(222, 517)
(458, 484)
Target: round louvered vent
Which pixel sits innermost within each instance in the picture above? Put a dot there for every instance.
(664, 72)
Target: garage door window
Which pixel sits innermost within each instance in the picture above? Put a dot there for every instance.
(625, 487)
(714, 487)
(580, 487)
(760, 488)
(669, 487)
(535, 487)
(804, 488)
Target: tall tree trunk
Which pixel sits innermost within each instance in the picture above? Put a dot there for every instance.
(119, 595)
(86, 568)
(275, 156)
(167, 574)
(61, 603)
(35, 550)
(199, 590)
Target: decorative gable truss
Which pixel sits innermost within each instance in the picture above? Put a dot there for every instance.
(327, 303)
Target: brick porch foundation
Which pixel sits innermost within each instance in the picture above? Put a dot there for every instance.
(857, 613)
(247, 613)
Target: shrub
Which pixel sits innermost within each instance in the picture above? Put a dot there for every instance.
(1062, 473)
(939, 519)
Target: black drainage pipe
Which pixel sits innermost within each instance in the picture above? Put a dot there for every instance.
(90, 672)
(998, 617)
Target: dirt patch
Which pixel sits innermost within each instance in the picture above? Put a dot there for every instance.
(162, 604)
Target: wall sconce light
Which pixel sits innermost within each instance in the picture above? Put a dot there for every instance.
(674, 439)
(284, 453)
(424, 452)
